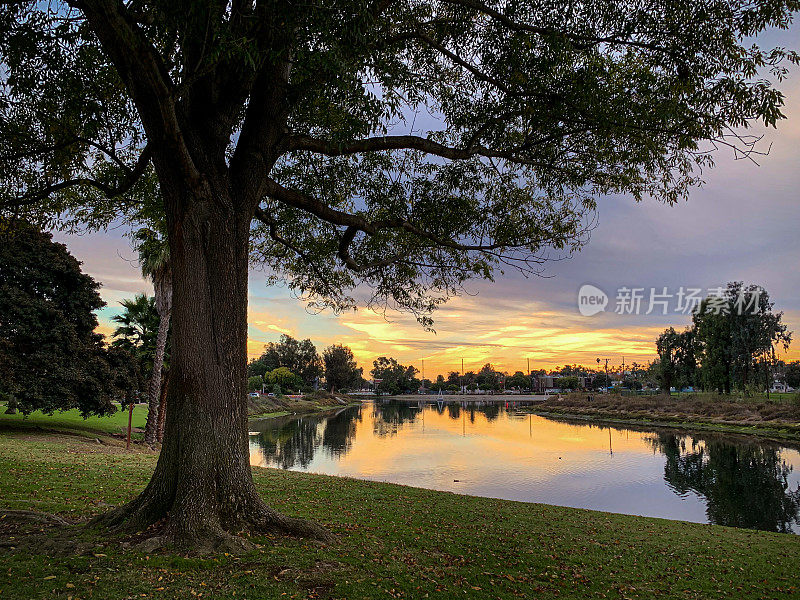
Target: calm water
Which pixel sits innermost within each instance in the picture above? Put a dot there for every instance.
(493, 450)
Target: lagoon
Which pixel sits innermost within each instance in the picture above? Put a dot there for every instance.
(496, 449)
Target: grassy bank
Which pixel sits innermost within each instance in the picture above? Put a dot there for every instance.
(392, 542)
(776, 419)
(116, 424)
(71, 421)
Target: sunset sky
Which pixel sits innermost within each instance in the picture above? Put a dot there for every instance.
(742, 225)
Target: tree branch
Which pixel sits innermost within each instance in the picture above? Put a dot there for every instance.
(356, 222)
(587, 40)
(347, 259)
(132, 176)
(146, 78)
(413, 142)
(272, 226)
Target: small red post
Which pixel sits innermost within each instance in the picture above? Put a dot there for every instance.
(130, 420)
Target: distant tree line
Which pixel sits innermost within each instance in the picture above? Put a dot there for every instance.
(392, 377)
(290, 364)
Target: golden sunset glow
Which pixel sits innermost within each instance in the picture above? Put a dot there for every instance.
(466, 330)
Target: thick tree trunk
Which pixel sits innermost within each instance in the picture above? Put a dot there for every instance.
(202, 487)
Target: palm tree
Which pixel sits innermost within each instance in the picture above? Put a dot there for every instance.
(154, 260)
(137, 325)
(137, 328)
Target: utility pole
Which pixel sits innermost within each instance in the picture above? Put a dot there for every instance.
(130, 421)
(530, 379)
(607, 381)
(423, 376)
(461, 377)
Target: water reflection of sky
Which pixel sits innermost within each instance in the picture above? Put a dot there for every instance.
(499, 453)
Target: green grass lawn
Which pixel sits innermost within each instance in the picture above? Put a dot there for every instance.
(391, 542)
(72, 421)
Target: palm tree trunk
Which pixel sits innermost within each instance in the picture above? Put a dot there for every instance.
(163, 292)
(162, 406)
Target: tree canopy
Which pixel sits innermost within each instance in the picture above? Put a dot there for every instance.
(310, 116)
(298, 356)
(677, 363)
(341, 370)
(793, 374)
(284, 378)
(730, 345)
(394, 377)
(137, 326)
(50, 356)
(736, 330)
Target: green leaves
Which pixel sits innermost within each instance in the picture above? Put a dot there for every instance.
(528, 112)
(50, 357)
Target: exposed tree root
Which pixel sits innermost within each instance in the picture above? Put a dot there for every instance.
(31, 516)
(39, 532)
(208, 542)
(223, 532)
(267, 520)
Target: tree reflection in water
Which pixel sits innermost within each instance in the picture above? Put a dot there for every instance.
(743, 484)
(454, 410)
(294, 441)
(389, 417)
(490, 410)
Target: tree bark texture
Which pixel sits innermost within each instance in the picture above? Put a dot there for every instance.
(202, 483)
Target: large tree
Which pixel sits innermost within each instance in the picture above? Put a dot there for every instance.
(736, 329)
(677, 364)
(299, 356)
(50, 356)
(394, 377)
(793, 374)
(299, 135)
(341, 370)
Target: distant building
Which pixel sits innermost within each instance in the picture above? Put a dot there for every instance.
(549, 383)
(543, 383)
